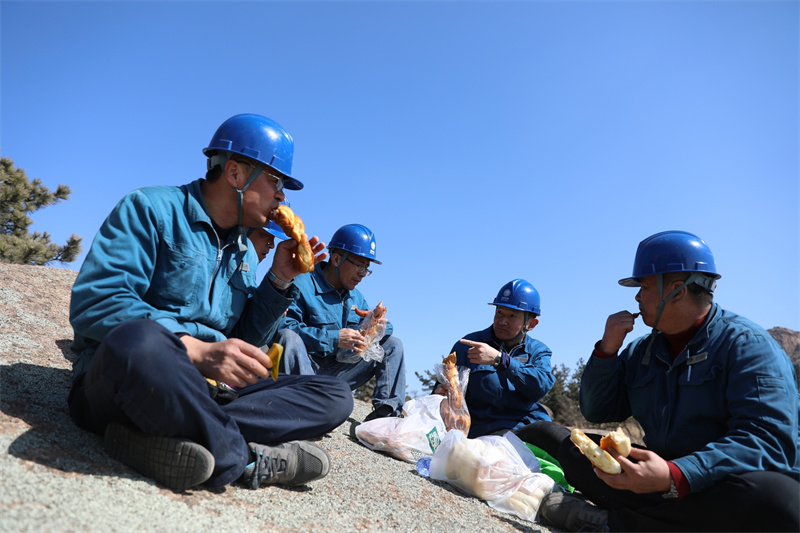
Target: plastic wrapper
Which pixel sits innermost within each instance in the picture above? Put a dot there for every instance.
(419, 432)
(455, 413)
(498, 469)
(373, 329)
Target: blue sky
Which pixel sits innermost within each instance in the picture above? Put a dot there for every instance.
(481, 141)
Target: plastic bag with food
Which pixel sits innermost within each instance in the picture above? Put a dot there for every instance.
(373, 329)
(419, 432)
(498, 469)
(455, 380)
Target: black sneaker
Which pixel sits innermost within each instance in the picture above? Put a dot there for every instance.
(290, 463)
(175, 463)
(382, 411)
(572, 513)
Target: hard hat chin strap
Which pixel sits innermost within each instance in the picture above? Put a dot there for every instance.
(695, 277)
(241, 239)
(344, 256)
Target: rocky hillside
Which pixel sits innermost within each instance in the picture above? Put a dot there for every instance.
(59, 478)
(62, 480)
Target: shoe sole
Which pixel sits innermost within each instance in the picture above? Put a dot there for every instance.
(177, 464)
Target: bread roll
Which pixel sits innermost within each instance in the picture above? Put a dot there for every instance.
(597, 455)
(617, 440)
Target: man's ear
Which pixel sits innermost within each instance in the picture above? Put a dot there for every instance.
(532, 323)
(681, 293)
(231, 172)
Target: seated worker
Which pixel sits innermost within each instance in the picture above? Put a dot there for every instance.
(717, 399)
(167, 299)
(322, 321)
(509, 370)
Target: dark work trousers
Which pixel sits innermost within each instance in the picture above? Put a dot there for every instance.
(754, 501)
(142, 375)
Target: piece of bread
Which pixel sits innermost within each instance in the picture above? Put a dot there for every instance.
(373, 326)
(294, 228)
(275, 352)
(617, 440)
(597, 455)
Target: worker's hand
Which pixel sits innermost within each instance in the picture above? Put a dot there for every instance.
(480, 353)
(232, 361)
(283, 263)
(351, 339)
(618, 326)
(649, 472)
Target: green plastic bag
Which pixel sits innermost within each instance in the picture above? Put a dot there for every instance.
(550, 466)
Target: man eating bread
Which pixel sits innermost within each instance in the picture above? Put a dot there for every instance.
(717, 399)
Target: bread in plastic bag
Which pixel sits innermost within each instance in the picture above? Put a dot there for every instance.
(455, 379)
(373, 329)
(498, 469)
(419, 432)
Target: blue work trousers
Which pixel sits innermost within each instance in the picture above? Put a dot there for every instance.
(142, 375)
(390, 374)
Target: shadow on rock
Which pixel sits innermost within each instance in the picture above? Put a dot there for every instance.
(37, 396)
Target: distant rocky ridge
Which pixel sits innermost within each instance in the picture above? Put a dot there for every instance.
(790, 342)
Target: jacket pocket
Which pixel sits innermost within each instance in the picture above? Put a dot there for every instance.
(325, 320)
(175, 285)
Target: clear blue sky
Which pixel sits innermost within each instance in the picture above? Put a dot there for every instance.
(481, 141)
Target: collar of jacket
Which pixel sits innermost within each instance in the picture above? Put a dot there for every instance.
(198, 214)
(696, 345)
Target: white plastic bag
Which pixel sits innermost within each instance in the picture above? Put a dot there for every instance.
(373, 330)
(419, 432)
(455, 412)
(493, 469)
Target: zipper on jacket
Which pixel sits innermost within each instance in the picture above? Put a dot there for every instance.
(220, 249)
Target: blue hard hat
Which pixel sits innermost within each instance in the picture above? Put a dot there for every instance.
(356, 239)
(275, 229)
(673, 251)
(259, 138)
(520, 295)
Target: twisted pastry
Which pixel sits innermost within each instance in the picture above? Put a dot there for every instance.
(373, 325)
(294, 228)
(453, 411)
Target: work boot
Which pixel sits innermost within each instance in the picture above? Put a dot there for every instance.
(290, 463)
(175, 463)
(382, 411)
(572, 513)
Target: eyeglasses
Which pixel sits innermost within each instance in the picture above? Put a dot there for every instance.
(278, 185)
(364, 271)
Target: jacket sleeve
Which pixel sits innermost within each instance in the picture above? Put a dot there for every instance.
(116, 274)
(316, 324)
(599, 399)
(534, 378)
(263, 314)
(763, 416)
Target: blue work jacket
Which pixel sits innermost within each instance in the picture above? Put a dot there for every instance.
(158, 257)
(508, 398)
(728, 404)
(320, 311)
